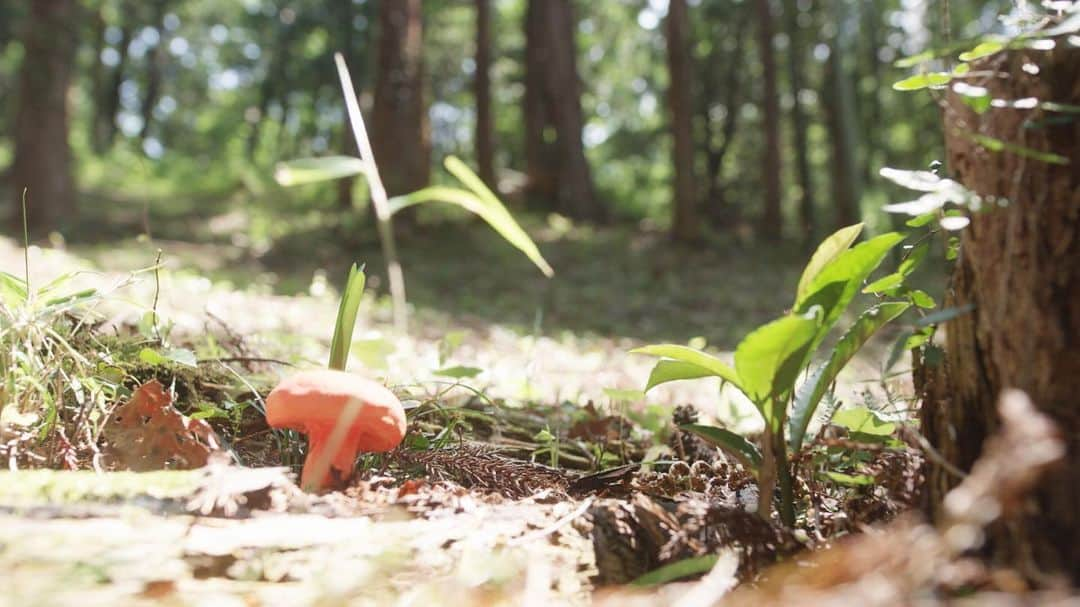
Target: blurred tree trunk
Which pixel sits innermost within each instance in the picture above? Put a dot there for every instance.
(400, 131)
(155, 63)
(485, 118)
(796, 66)
(109, 102)
(770, 162)
(837, 99)
(42, 162)
(343, 12)
(1018, 269)
(717, 141)
(555, 157)
(685, 226)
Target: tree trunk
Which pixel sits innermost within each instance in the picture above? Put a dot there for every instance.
(838, 103)
(796, 65)
(685, 226)
(770, 161)
(42, 162)
(556, 166)
(155, 64)
(400, 133)
(1018, 268)
(485, 118)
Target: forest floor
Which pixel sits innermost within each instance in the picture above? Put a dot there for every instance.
(542, 356)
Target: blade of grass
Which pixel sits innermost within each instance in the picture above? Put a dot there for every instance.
(378, 195)
(346, 319)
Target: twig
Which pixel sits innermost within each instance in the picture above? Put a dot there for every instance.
(378, 195)
(157, 293)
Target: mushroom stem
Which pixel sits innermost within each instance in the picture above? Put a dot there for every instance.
(320, 460)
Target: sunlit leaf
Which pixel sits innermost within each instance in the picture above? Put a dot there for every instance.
(922, 81)
(864, 421)
(157, 358)
(313, 170)
(827, 251)
(769, 359)
(885, 283)
(12, 289)
(675, 370)
(714, 365)
(922, 299)
(481, 201)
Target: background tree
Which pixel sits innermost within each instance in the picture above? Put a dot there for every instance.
(796, 62)
(1017, 269)
(555, 157)
(685, 226)
(42, 162)
(400, 129)
(485, 117)
(771, 217)
(840, 121)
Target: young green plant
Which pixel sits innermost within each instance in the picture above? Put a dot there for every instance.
(769, 361)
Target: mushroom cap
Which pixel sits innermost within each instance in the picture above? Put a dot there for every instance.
(312, 401)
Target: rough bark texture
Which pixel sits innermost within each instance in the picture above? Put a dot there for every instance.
(400, 132)
(1019, 268)
(485, 117)
(685, 226)
(556, 166)
(42, 162)
(770, 162)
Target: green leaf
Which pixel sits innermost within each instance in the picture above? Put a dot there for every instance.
(997, 145)
(836, 285)
(984, 49)
(620, 396)
(346, 318)
(827, 251)
(849, 480)
(885, 283)
(677, 570)
(922, 81)
(769, 359)
(70, 299)
(921, 220)
(459, 372)
(694, 357)
(675, 370)
(480, 201)
(12, 290)
(180, 356)
(914, 258)
(727, 440)
(313, 170)
(913, 60)
(864, 421)
(811, 392)
(922, 299)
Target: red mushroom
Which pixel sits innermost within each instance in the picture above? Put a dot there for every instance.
(342, 414)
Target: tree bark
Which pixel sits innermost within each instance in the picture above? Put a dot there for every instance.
(400, 131)
(1018, 268)
(556, 166)
(485, 117)
(685, 226)
(770, 227)
(796, 65)
(42, 162)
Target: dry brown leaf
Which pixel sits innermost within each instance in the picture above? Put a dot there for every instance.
(148, 433)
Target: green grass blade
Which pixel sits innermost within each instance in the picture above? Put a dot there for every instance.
(346, 318)
(677, 570)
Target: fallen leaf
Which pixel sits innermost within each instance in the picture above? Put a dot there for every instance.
(148, 433)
